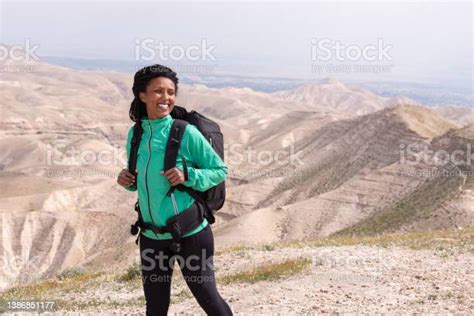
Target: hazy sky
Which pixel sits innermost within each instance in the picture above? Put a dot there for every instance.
(429, 41)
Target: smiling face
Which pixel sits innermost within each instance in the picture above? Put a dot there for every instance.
(159, 97)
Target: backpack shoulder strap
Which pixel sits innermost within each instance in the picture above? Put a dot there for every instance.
(171, 153)
(174, 141)
(134, 144)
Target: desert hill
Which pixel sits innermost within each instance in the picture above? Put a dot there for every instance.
(61, 210)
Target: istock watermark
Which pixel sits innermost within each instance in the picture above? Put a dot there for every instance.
(239, 154)
(149, 49)
(18, 58)
(67, 160)
(192, 58)
(20, 268)
(349, 261)
(326, 50)
(163, 262)
(18, 263)
(416, 153)
(335, 56)
(421, 160)
(62, 154)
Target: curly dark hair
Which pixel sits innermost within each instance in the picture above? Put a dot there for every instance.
(140, 82)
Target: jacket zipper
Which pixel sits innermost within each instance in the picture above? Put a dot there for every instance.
(146, 177)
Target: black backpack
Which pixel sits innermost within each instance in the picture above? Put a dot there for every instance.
(212, 199)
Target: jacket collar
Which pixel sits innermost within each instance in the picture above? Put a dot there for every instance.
(157, 122)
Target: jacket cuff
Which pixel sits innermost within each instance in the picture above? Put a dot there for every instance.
(132, 187)
(190, 176)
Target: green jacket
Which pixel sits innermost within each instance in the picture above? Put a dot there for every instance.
(205, 170)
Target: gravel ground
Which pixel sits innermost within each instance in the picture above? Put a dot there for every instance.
(344, 279)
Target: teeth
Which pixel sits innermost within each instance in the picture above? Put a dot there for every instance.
(163, 106)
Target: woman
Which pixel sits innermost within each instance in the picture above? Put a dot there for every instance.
(155, 88)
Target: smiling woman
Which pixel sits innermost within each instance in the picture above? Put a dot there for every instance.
(172, 222)
(159, 97)
(152, 86)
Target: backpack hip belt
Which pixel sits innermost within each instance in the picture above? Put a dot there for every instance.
(177, 225)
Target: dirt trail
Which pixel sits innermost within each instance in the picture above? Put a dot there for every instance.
(343, 279)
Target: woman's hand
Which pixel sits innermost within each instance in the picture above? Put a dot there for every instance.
(125, 178)
(174, 175)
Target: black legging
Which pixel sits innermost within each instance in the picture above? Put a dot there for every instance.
(196, 263)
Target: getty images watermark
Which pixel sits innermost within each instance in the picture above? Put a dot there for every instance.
(335, 56)
(18, 58)
(193, 58)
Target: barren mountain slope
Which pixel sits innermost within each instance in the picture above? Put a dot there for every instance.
(357, 173)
